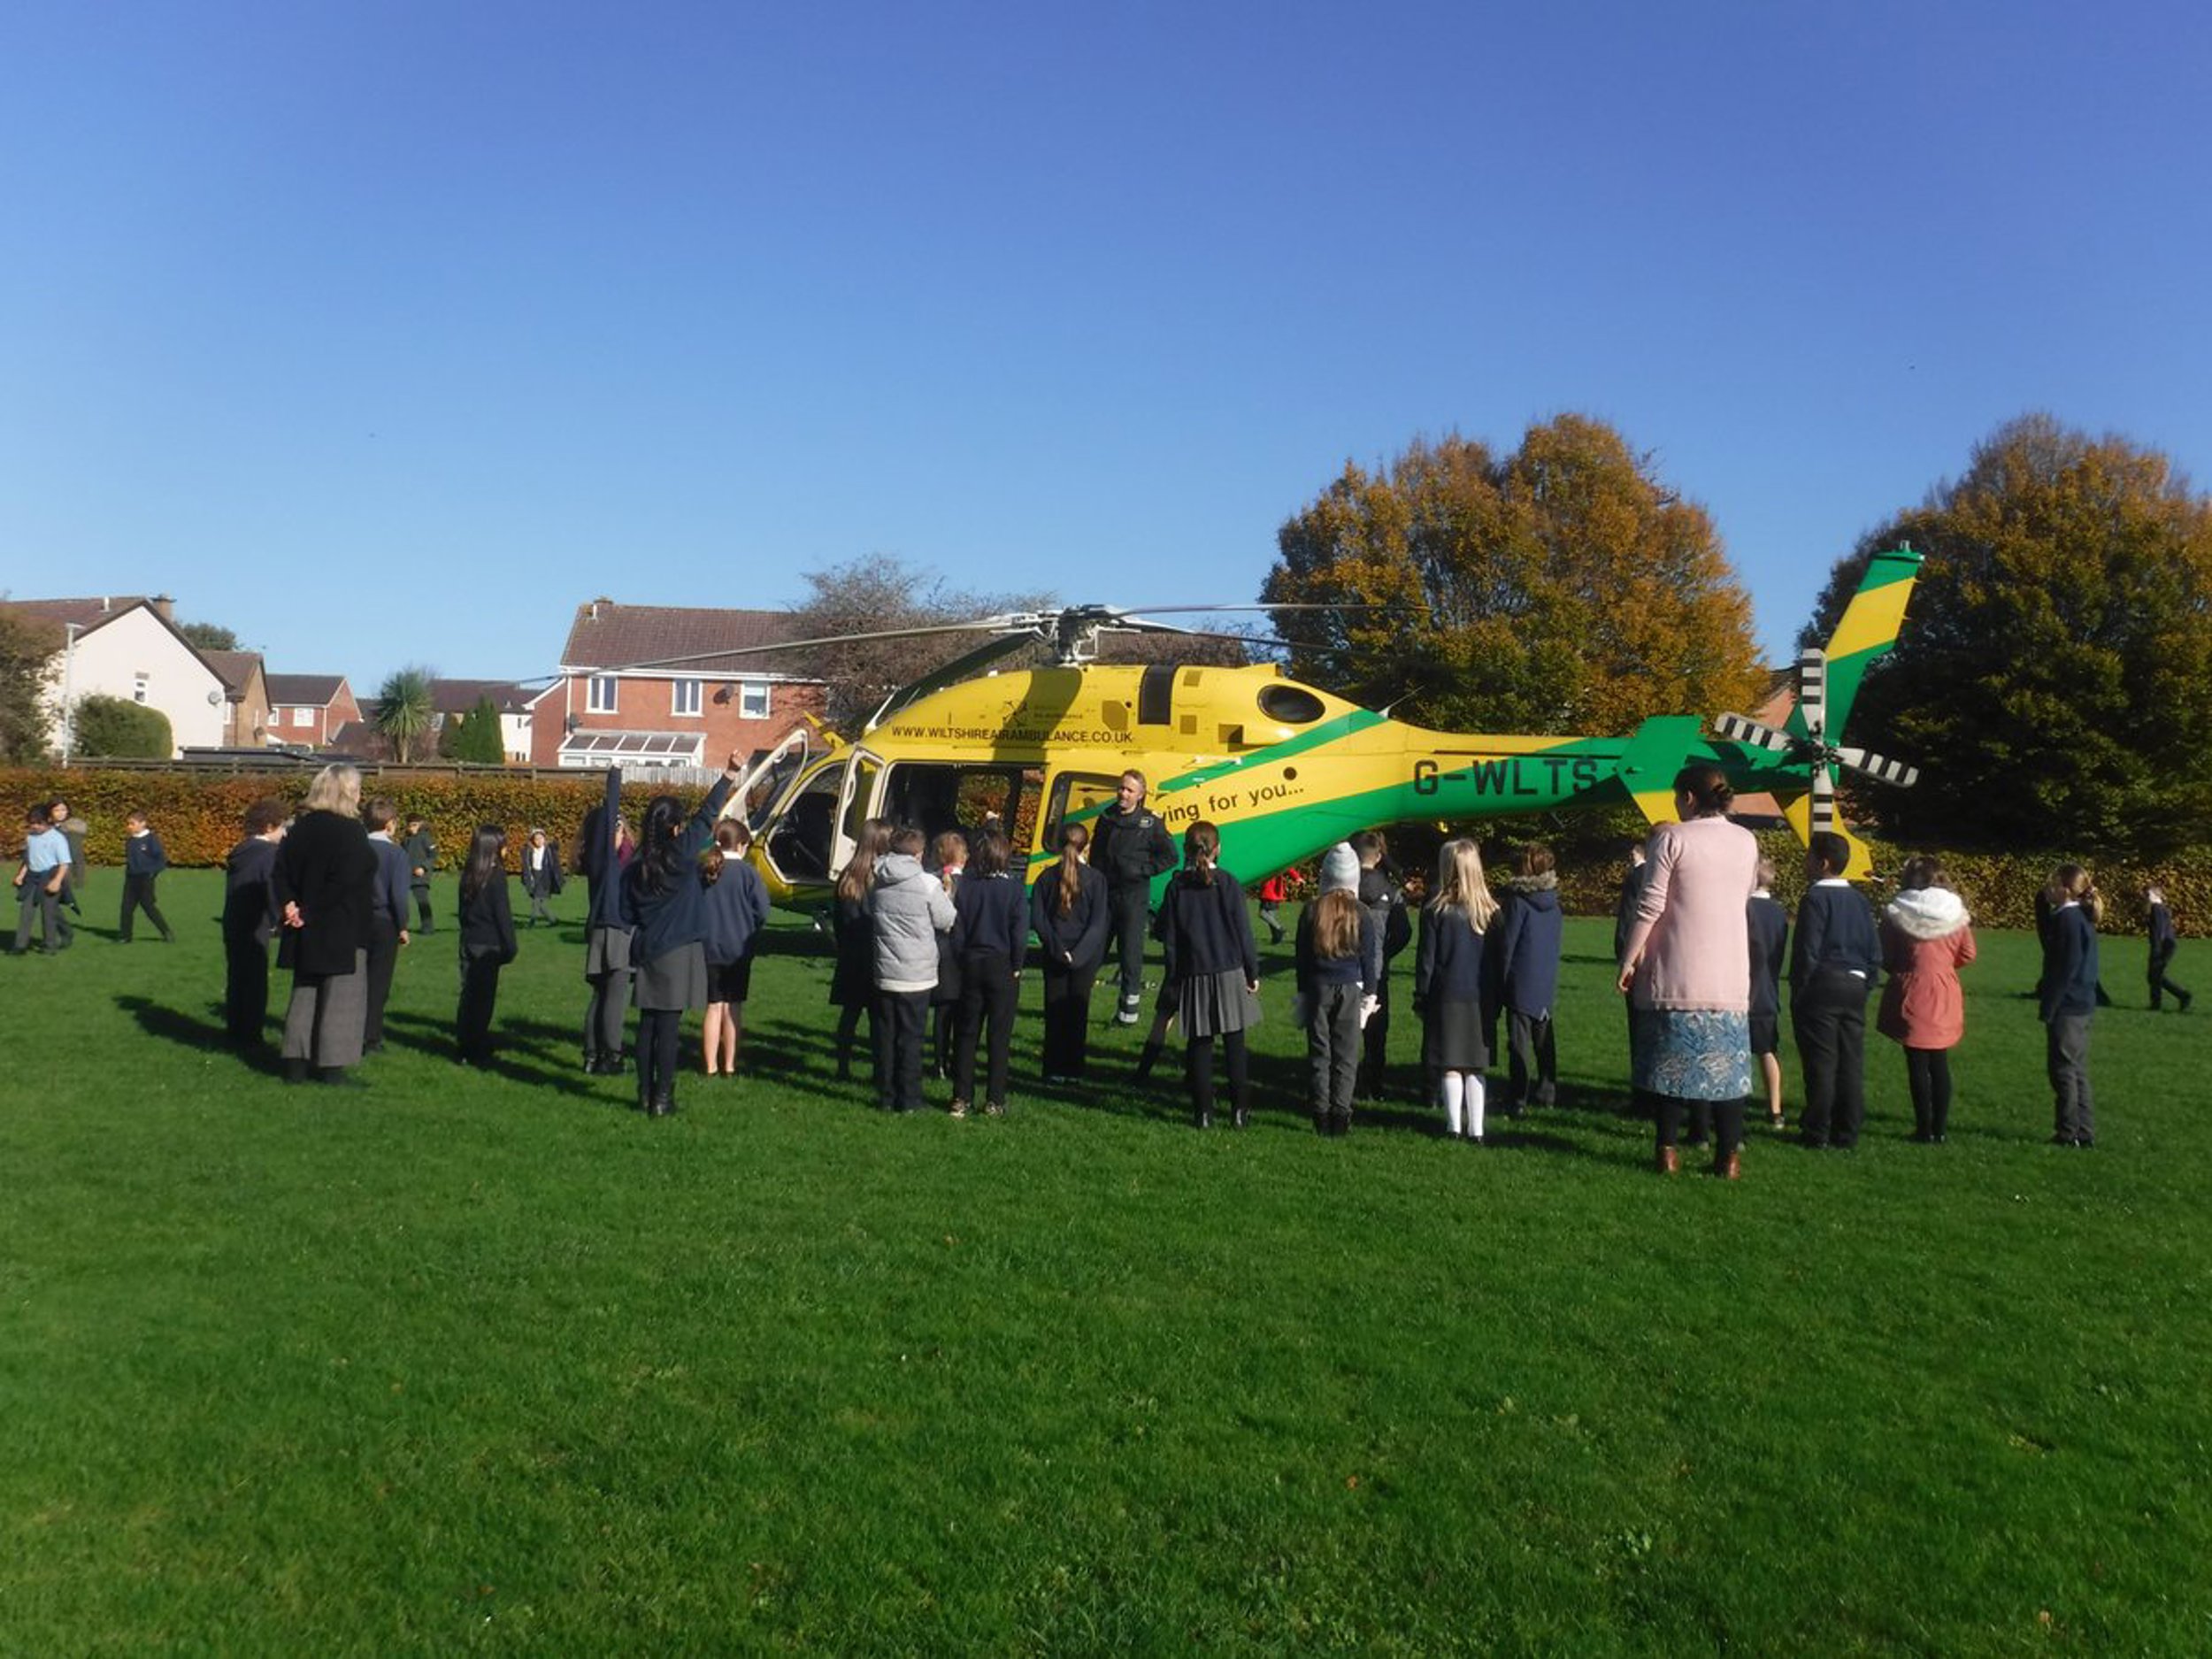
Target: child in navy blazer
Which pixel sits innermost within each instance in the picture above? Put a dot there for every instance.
(2066, 999)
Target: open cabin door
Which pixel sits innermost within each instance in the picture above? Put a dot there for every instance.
(810, 833)
(855, 803)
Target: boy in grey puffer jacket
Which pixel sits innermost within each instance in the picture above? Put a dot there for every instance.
(911, 908)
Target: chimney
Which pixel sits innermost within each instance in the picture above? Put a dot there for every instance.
(165, 607)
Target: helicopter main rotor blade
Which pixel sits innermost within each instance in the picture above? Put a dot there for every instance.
(1021, 622)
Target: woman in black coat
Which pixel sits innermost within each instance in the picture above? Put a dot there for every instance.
(325, 885)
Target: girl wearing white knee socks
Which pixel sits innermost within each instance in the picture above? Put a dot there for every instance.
(1447, 986)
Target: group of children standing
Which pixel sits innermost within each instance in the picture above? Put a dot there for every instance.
(676, 914)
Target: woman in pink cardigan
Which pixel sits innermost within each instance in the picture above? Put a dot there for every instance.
(1927, 938)
(1685, 969)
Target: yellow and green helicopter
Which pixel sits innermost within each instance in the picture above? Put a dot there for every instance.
(1285, 770)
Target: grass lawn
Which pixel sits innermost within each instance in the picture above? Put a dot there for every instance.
(480, 1361)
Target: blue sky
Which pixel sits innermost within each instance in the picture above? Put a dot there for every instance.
(390, 333)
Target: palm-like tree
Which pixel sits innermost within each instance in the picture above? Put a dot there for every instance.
(403, 712)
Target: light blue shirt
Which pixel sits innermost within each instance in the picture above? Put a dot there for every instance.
(44, 849)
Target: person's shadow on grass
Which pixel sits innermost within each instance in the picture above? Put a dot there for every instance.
(173, 1025)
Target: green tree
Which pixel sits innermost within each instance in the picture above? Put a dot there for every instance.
(1564, 588)
(27, 650)
(208, 636)
(2054, 680)
(405, 713)
(477, 736)
(112, 726)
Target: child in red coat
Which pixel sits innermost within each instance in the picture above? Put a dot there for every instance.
(1927, 938)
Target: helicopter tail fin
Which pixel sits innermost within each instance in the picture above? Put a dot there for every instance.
(1653, 760)
(1867, 629)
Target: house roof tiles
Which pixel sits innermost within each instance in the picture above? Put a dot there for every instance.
(683, 641)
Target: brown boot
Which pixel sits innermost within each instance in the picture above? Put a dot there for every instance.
(1670, 1161)
(1730, 1168)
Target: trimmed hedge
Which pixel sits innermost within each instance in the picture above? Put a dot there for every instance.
(198, 816)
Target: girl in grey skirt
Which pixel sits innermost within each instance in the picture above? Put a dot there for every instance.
(1213, 970)
(664, 900)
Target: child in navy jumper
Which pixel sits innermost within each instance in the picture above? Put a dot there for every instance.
(1530, 930)
(1339, 963)
(1213, 970)
(144, 861)
(1768, 926)
(1835, 962)
(2066, 998)
(990, 937)
(1447, 986)
(2164, 943)
(488, 943)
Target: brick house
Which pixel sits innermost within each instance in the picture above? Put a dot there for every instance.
(310, 708)
(684, 715)
(245, 696)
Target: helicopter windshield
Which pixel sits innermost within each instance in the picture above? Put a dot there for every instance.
(934, 796)
(764, 789)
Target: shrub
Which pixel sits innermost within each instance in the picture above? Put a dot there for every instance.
(108, 725)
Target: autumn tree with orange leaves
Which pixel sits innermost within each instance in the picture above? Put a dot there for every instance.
(1564, 587)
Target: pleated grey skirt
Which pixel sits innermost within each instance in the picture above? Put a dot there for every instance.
(606, 950)
(674, 979)
(1213, 1004)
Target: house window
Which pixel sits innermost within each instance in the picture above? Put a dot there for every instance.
(303, 717)
(752, 700)
(138, 687)
(599, 694)
(684, 697)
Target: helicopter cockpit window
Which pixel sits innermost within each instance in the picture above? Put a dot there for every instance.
(1075, 794)
(934, 796)
(768, 789)
(800, 846)
(1289, 705)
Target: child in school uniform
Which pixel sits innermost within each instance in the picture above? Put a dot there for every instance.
(145, 859)
(1531, 931)
(488, 943)
(1767, 926)
(1068, 912)
(664, 899)
(852, 990)
(387, 919)
(249, 912)
(1834, 962)
(2164, 943)
(541, 875)
(737, 910)
(1213, 969)
(1926, 939)
(2066, 1000)
(990, 938)
(1385, 900)
(947, 861)
(1447, 986)
(1339, 962)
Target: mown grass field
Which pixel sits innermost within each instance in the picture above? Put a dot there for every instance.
(482, 1362)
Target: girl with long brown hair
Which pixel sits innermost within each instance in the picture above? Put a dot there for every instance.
(1339, 964)
(1067, 912)
(1213, 970)
(853, 981)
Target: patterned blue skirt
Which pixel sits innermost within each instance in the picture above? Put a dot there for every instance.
(1692, 1053)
